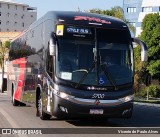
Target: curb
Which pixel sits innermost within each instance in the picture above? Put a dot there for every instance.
(147, 104)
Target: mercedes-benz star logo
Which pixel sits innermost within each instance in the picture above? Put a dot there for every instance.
(97, 102)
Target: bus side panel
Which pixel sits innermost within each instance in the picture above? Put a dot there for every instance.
(20, 78)
(30, 70)
(35, 63)
(48, 28)
(32, 79)
(16, 77)
(10, 78)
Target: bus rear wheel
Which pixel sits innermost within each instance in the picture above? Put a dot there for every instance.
(41, 113)
(14, 101)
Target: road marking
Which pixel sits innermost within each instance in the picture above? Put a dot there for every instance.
(11, 121)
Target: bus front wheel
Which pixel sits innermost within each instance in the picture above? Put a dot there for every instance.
(40, 111)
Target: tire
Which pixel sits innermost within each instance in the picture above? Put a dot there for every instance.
(41, 113)
(14, 101)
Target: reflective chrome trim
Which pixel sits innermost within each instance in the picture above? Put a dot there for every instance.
(93, 102)
(95, 23)
(83, 101)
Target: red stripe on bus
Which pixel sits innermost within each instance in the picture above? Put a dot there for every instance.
(20, 80)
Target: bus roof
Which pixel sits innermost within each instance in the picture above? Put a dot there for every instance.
(82, 18)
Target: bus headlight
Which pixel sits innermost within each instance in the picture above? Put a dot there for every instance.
(127, 98)
(65, 95)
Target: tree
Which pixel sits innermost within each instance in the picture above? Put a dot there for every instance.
(3, 50)
(151, 36)
(115, 12)
(140, 69)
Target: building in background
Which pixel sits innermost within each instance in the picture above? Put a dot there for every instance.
(136, 10)
(16, 16)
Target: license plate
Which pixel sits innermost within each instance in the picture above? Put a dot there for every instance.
(96, 111)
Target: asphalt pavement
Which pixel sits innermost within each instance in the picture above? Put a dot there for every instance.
(144, 115)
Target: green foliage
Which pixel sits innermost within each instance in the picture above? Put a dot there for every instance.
(153, 91)
(151, 36)
(140, 69)
(142, 93)
(118, 13)
(154, 67)
(3, 50)
(115, 12)
(7, 44)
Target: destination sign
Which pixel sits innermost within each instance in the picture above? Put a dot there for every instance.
(98, 20)
(78, 30)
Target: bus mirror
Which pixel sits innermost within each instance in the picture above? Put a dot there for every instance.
(52, 45)
(144, 49)
(144, 56)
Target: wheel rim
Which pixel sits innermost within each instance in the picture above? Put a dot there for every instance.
(12, 94)
(13, 98)
(40, 106)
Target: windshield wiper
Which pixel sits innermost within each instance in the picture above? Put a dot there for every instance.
(85, 75)
(109, 76)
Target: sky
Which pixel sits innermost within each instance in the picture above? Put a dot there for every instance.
(69, 5)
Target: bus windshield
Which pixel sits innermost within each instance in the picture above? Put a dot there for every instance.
(100, 57)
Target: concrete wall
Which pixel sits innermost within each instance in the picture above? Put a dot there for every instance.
(16, 16)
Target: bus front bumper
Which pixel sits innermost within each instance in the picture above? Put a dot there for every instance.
(79, 108)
